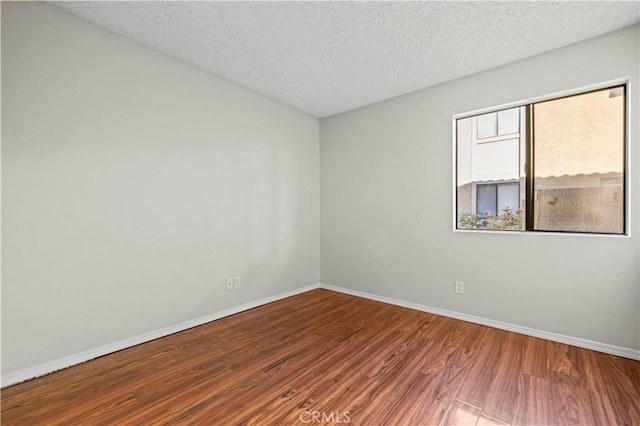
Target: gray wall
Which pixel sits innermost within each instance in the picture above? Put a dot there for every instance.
(133, 185)
(387, 207)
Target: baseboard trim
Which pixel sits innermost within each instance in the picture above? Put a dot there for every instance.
(560, 338)
(68, 361)
(71, 360)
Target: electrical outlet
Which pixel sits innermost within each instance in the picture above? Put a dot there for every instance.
(229, 284)
(237, 282)
(459, 287)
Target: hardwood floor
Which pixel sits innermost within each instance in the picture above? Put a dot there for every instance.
(326, 357)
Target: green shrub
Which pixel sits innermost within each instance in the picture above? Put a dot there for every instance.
(505, 221)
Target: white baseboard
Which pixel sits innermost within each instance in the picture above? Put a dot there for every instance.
(68, 361)
(560, 338)
(79, 358)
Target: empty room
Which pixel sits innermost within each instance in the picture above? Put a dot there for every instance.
(274, 213)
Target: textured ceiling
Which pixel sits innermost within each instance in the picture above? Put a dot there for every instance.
(329, 57)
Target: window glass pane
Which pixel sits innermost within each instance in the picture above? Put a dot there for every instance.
(487, 125)
(482, 167)
(508, 197)
(487, 200)
(579, 163)
(509, 121)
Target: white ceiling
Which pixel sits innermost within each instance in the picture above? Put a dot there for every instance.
(325, 58)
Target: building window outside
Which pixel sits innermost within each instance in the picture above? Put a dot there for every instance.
(493, 198)
(573, 179)
(498, 123)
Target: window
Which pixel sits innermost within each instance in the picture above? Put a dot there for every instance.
(498, 123)
(557, 165)
(493, 198)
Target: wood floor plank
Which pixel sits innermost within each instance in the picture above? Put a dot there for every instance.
(540, 357)
(621, 388)
(602, 412)
(432, 404)
(328, 354)
(503, 393)
(481, 374)
(572, 402)
(533, 406)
